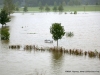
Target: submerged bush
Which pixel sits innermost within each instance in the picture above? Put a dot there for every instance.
(70, 34)
(75, 12)
(5, 34)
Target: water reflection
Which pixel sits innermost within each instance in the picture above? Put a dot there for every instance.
(57, 56)
(29, 51)
(57, 61)
(5, 42)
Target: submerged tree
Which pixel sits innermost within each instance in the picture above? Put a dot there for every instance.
(5, 34)
(69, 34)
(4, 18)
(57, 31)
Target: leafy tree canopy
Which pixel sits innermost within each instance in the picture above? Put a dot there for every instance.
(4, 18)
(25, 9)
(57, 31)
(40, 6)
(47, 8)
(55, 8)
(60, 8)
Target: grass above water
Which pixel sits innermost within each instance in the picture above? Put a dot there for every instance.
(70, 8)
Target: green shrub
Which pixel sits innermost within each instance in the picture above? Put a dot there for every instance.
(5, 34)
(75, 12)
(70, 34)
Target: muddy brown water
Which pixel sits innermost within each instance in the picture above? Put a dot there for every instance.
(34, 28)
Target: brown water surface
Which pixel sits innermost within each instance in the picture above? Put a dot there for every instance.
(33, 29)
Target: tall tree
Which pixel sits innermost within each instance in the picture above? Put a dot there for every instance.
(57, 31)
(8, 6)
(40, 6)
(25, 9)
(47, 8)
(60, 8)
(55, 7)
(4, 18)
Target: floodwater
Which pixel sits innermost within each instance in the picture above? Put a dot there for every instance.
(34, 28)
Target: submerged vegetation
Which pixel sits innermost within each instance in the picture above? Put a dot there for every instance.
(75, 12)
(69, 34)
(65, 8)
(5, 33)
(77, 52)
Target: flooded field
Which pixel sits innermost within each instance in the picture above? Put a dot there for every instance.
(34, 28)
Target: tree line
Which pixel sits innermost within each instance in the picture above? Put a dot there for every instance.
(35, 3)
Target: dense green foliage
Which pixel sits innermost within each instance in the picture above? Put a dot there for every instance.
(25, 9)
(70, 34)
(68, 5)
(55, 8)
(31, 3)
(57, 31)
(5, 34)
(16, 9)
(68, 8)
(4, 18)
(75, 12)
(47, 8)
(40, 6)
(60, 8)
